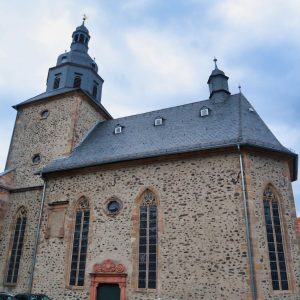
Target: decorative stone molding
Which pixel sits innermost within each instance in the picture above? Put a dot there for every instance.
(108, 266)
(108, 272)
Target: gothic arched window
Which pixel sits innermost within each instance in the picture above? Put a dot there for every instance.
(147, 266)
(56, 82)
(81, 38)
(16, 247)
(95, 88)
(77, 81)
(274, 228)
(80, 243)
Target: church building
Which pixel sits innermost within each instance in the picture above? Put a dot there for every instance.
(185, 203)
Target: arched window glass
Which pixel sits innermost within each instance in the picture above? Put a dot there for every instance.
(77, 81)
(147, 273)
(81, 39)
(80, 243)
(95, 91)
(275, 240)
(56, 82)
(17, 247)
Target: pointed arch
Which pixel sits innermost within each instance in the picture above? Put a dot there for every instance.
(275, 238)
(146, 215)
(16, 246)
(79, 242)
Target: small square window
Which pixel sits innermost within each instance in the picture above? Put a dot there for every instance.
(118, 129)
(158, 122)
(204, 112)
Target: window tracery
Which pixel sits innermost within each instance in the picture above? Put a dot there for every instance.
(17, 247)
(80, 243)
(273, 224)
(147, 266)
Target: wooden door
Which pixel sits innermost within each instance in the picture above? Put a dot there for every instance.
(108, 292)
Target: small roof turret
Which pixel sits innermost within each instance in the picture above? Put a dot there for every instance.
(218, 84)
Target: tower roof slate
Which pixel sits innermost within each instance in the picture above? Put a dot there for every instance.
(229, 123)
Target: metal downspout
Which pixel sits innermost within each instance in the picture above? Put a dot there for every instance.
(247, 223)
(37, 236)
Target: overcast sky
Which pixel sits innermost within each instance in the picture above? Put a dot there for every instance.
(154, 54)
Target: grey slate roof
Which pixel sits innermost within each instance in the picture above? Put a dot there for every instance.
(59, 92)
(183, 130)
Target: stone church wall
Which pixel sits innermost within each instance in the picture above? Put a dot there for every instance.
(261, 171)
(202, 243)
(50, 137)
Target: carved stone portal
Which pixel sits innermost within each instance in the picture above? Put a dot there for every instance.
(108, 272)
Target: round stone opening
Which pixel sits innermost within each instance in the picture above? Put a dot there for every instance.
(45, 114)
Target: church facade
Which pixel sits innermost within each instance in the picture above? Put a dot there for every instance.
(189, 202)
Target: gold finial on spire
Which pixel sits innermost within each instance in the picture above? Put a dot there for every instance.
(84, 17)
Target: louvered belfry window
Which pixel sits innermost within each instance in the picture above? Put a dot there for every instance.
(275, 241)
(80, 243)
(147, 274)
(17, 247)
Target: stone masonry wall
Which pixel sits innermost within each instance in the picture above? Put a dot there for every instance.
(261, 171)
(202, 244)
(50, 137)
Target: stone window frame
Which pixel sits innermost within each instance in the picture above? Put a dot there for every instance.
(113, 198)
(285, 242)
(11, 238)
(135, 240)
(71, 215)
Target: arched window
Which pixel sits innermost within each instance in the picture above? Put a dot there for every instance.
(80, 243)
(77, 81)
(95, 88)
(275, 240)
(147, 267)
(81, 39)
(16, 247)
(76, 38)
(56, 82)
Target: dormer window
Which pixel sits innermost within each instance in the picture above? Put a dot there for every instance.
(77, 81)
(118, 129)
(204, 111)
(158, 121)
(56, 82)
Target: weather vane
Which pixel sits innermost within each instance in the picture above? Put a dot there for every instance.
(84, 17)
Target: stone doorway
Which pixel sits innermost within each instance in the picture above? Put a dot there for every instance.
(108, 281)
